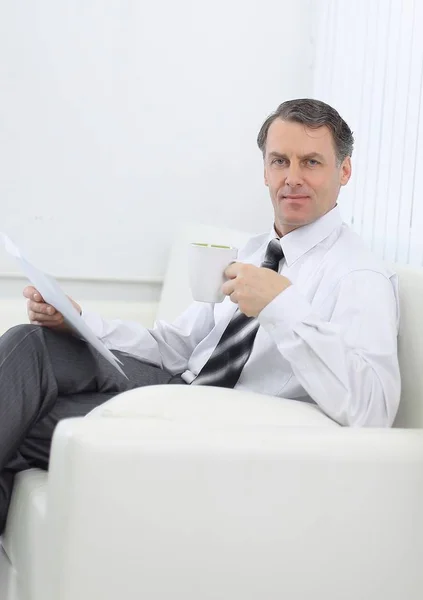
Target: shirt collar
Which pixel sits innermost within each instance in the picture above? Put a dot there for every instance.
(296, 243)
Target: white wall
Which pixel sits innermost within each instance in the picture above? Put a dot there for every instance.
(120, 119)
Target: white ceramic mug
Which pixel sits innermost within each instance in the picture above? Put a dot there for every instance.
(207, 264)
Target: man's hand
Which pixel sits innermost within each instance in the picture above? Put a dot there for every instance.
(252, 288)
(40, 313)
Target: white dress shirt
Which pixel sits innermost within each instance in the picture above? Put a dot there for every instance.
(329, 338)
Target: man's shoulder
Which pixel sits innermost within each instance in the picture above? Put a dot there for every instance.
(351, 253)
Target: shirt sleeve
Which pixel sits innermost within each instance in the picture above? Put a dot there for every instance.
(349, 364)
(167, 345)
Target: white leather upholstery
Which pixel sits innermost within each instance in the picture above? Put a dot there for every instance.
(13, 312)
(23, 537)
(214, 406)
(410, 346)
(8, 578)
(157, 507)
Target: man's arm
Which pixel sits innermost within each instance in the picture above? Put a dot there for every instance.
(166, 345)
(348, 365)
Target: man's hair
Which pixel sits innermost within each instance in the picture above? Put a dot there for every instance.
(313, 114)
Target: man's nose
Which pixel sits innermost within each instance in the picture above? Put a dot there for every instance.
(293, 176)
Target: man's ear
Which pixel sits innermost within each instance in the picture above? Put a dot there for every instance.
(346, 169)
(265, 177)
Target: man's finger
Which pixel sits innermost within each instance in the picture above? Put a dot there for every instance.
(29, 291)
(32, 293)
(228, 287)
(232, 270)
(41, 308)
(42, 318)
(234, 298)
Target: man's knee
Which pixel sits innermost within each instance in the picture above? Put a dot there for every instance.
(27, 340)
(19, 332)
(23, 328)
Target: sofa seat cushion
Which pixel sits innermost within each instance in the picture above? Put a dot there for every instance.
(212, 407)
(24, 529)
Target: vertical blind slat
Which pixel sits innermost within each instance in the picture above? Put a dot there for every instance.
(415, 249)
(386, 141)
(409, 150)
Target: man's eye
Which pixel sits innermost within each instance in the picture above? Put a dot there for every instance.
(278, 161)
(312, 162)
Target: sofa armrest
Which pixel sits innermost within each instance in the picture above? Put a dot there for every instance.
(156, 508)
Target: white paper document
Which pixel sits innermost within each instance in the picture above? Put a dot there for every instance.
(53, 294)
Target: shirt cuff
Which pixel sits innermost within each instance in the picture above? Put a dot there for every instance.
(285, 311)
(94, 322)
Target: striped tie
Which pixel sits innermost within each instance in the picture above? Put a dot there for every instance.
(234, 348)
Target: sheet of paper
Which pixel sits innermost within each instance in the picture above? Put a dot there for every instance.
(53, 294)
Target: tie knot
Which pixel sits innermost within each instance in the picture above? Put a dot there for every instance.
(274, 254)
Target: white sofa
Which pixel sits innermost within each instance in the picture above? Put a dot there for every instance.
(199, 493)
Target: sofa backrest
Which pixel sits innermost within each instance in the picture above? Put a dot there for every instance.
(410, 346)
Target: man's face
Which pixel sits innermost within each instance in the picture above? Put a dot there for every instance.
(302, 173)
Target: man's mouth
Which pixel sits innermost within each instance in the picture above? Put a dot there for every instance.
(295, 197)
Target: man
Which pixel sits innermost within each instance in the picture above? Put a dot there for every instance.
(310, 314)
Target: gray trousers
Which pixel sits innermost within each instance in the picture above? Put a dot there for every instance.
(46, 376)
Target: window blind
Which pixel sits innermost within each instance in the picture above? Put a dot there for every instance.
(369, 66)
